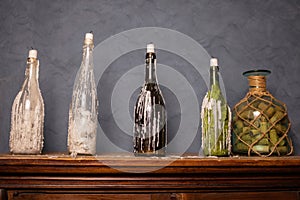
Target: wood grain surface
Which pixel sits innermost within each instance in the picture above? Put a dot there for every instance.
(123, 176)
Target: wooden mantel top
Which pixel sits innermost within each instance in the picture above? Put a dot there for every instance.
(119, 163)
(126, 173)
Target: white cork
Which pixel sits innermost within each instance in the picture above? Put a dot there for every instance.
(214, 62)
(89, 36)
(150, 48)
(32, 53)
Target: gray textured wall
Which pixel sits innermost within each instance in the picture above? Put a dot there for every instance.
(243, 34)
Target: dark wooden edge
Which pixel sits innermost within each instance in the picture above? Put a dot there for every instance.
(128, 174)
(119, 164)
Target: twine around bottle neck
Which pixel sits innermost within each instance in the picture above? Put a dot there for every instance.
(257, 84)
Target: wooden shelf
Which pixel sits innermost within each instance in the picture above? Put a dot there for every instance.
(187, 177)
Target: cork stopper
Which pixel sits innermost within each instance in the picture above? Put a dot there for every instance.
(213, 62)
(88, 38)
(32, 53)
(150, 48)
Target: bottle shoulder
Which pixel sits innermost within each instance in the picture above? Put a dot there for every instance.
(151, 92)
(151, 87)
(216, 92)
(84, 78)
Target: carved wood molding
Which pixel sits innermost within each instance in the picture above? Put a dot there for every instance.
(124, 173)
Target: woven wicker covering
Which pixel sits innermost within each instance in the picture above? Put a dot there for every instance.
(260, 122)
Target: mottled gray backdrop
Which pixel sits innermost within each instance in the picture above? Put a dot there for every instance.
(243, 34)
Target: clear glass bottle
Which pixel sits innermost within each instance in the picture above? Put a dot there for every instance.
(260, 121)
(150, 116)
(83, 111)
(216, 117)
(27, 117)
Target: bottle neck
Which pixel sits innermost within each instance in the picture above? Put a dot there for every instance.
(32, 69)
(150, 71)
(214, 76)
(257, 83)
(87, 56)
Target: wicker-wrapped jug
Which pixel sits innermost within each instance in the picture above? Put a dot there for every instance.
(260, 122)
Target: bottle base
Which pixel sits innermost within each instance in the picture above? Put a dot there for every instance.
(26, 152)
(159, 153)
(79, 153)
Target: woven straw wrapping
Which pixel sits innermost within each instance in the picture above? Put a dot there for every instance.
(261, 125)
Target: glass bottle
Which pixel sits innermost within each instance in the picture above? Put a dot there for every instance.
(150, 116)
(216, 117)
(27, 118)
(82, 129)
(260, 121)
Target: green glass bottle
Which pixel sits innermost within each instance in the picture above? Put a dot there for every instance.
(216, 117)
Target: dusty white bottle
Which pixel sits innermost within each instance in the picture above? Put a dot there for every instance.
(27, 117)
(82, 129)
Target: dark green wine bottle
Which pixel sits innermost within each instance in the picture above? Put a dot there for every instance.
(150, 116)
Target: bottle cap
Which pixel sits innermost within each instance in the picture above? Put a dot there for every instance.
(150, 48)
(214, 62)
(32, 53)
(89, 36)
(88, 39)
